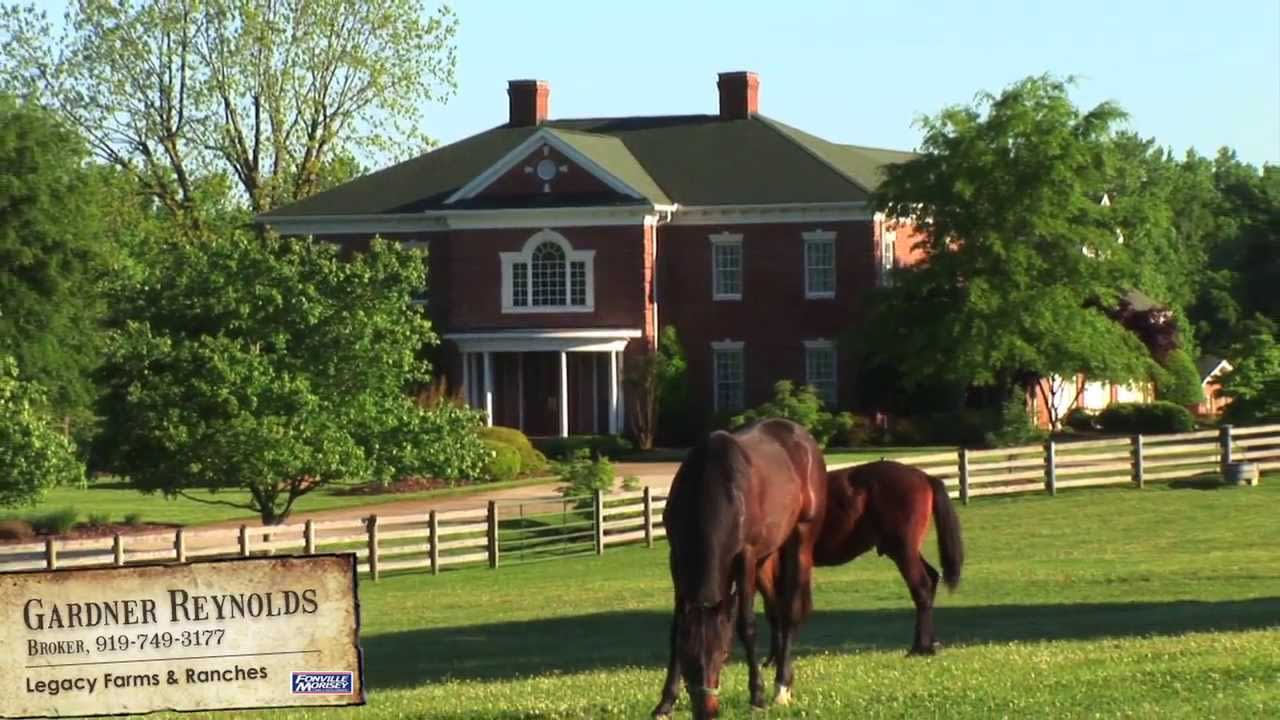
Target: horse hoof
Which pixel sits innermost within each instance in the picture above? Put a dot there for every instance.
(782, 696)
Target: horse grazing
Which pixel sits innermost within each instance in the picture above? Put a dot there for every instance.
(886, 505)
(738, 500)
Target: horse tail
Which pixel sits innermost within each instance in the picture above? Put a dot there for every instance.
(950, 545)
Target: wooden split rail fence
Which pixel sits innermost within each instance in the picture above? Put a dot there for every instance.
(535, 529)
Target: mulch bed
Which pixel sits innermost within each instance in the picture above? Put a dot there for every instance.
(407, 485)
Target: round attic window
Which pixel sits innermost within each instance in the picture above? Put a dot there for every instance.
(546, 169)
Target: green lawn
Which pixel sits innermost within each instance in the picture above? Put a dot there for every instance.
(1155, 603)
(116, 499)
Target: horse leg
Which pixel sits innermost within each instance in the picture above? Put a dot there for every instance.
(767, 582)
(923, 584)
(670, 687)
(747, 627)
(796, 602)
(933, 594)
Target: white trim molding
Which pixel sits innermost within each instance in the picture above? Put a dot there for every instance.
(543, 137)
(726, 240)
(815, 237)
(525, 256)
(574, 340)
(771, 213)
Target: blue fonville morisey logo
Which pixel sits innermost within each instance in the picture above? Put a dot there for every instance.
(321, 683)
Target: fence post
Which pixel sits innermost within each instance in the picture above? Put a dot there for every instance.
(244, 541)
(648, 517)
(1050, 467)
(309, 538)
(1136, 447)
(117, 546)
(599, 522)
(50, 554)
(371, 523)
(180, 545)
(964, 476)
(493, 534)
(1224, 447)
(433, 533)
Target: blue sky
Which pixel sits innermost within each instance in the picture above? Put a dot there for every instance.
(1191, 74)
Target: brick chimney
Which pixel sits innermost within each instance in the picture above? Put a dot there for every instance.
(529, 102)
(739, 95)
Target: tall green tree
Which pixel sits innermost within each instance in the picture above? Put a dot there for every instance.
(1022, 259)
(277, 97)
(34, 455)
(51, 255)
(275, 366)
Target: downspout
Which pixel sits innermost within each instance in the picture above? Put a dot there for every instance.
(662, 217)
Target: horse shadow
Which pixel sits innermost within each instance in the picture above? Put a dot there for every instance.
(638, 638)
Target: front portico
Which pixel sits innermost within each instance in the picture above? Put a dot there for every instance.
(546, 382)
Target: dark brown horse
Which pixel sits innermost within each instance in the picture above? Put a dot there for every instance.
(886, 505)
(737, 501)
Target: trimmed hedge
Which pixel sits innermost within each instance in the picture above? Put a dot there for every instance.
(531, 460)
(1150, 418)
(565, 448)
(1080, 420)
(504, 462)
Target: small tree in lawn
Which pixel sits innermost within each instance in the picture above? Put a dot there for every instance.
(277, 367)
(1021, 258)
(34, 455)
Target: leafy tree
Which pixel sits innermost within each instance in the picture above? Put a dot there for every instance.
(1022, 259)
(275, 366)
(673, 388)
(803, 406)
(1253, 386)
(34, 456)
(275, 97)
(51, 255)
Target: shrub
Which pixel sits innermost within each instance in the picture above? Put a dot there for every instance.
(584, 475)
(857, 433)
(99, 519)
(1016, 426)
(1253, 387)
(56, 522)
(448, 441)
(34, 456)
(596, 445)
(630, 483)
(1178, 381)
(1080, 420)
(16, 530)
(503, 463)
(133, 519)
(802, 406)
(1153, 418)
(531, 460)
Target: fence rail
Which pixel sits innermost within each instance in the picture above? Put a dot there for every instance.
(537, 529)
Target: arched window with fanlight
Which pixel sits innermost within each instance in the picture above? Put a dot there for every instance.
(548, 275)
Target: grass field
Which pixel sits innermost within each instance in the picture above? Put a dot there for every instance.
(117, 499)
(1163, 602)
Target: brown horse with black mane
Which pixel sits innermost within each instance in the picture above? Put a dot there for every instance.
(887, 505)
(740, 500)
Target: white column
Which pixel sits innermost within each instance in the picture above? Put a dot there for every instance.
(488, 388)
(466, 378)
(564, 394)
(520, 387)
(614, 414)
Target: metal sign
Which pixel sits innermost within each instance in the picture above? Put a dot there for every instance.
(220, 634)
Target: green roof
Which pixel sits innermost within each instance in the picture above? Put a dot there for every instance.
(686, 159)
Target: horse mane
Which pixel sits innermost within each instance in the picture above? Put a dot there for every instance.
(708, 528)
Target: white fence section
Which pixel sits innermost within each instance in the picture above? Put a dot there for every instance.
(517, 531)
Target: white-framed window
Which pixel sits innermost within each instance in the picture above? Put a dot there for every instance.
(888, 256)
(726, 266)
(820, 369)
(548, 275)
(819, 264)
(726, 375)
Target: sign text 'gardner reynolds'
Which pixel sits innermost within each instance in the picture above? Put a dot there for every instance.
(266, 632)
